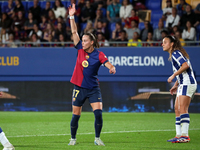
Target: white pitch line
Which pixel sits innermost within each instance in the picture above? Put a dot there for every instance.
(101, 132)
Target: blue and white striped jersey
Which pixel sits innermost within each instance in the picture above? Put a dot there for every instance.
(187, 77)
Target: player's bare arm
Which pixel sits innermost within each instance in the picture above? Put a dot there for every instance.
(183, 68)
(174, 88)
(111, 68)
(72, 11)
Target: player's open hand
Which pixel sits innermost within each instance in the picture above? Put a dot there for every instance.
(173, 90)
(112, 70)
(72, 10)
(170, 78)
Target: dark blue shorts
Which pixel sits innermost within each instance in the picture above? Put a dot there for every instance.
(80, 94)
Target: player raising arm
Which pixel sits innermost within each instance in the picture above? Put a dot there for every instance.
(85, 80)
(185, 86)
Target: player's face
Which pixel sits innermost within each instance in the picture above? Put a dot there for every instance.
(167, 45)
(86, 42)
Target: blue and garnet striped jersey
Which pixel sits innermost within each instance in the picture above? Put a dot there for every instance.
(87, 66)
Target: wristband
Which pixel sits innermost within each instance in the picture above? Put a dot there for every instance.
(71, 17)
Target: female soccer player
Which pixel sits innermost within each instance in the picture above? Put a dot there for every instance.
(85, 80)
(185, 86)
(3, 139)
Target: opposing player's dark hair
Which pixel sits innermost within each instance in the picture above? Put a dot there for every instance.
(94, 39)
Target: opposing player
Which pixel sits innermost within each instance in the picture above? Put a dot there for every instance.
(4, 141)
(85, 80)
(185, 86)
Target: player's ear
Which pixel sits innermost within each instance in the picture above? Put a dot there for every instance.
(172, 43)
(92, 42)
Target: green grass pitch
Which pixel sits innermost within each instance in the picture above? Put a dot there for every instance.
(121, 131)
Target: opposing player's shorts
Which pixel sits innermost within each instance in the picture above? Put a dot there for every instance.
(187, 90)
(81, 94)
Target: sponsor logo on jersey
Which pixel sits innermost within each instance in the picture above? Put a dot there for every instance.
(87, 57)
(85, 63)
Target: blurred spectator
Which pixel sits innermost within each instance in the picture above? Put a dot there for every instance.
(18, 7)
(181, 8)
(49, 31)
(102, 8)
(71, 40)
(116, 33)
(43, 24)
(197, 12)
(59, 9)
(19, 21)
(45, 11)
(3, 37)
(134, 28)
(174, 29)
(178, 35)
(132, 17)
(157, 32)
(35, 40)
(150, 40)
(172, 20)
(68, 33)
(87, 12)
(8, 9)
(125, 10)
(81, 3)
(99, 17)
(164, 33)
(37, 31)
(11, 41)
(113, 11)
(135, 41)
(123, 38)
(139, 5)
(88, 29)
(28, 26)
(101, 39)
(36, 10)
(52, 18)
(189, 16)
(16, 34)
(62, 40)
(189, 33)
(5, 21)
(61, 20)
(144, 32)
(50, 40)
(60, 30)
(100, 27)
(168, 9)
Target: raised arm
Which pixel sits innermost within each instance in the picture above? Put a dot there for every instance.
(76, 37)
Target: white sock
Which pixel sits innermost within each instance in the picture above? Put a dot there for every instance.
(4, 141)
(178, 127)
(185, 121)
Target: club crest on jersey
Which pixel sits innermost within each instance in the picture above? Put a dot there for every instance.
(85, 63)
(87, 57)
